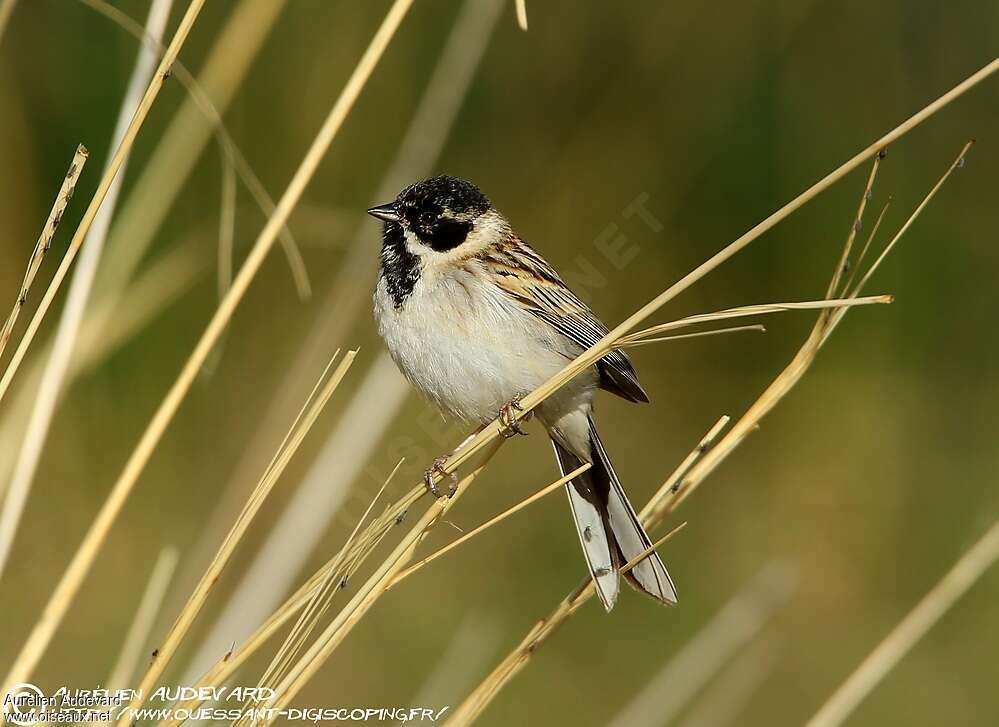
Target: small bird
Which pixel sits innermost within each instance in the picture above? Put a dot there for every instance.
(476, 319)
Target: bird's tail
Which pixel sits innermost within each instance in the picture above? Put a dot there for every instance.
(609, 529)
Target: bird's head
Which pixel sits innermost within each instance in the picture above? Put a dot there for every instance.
(438, 214)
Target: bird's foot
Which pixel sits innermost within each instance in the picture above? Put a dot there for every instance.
(437, 472)
(509, 424)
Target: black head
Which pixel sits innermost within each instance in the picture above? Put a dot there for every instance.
(439, 211)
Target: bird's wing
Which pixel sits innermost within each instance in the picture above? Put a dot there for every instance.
(527, 278)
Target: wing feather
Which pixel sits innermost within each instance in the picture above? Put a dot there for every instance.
(524, 275)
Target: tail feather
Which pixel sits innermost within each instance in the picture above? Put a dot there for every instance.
(650, 575)
(609, 529)
(595, 534)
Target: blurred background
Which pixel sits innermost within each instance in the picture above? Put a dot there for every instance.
(853, 499)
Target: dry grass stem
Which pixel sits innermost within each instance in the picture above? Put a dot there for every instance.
(668, 499)
(292, 538)
(867, 245)
(968, 569)
(747, 311)
(44, 241)
(317, 654)
(957, 163)
(855, 226)
(521, 13)
(32, 651)
(827, 322)
(59, 360)
(754, 328)
(156, 188)
(319, 603)
(652, 548)
(489, 523)
(339, 570)
(483, 693)
(673, 481)
(324, 390)
(251, 22)
(64, 593)
(142, 111)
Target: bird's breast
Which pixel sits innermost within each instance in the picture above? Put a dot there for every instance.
(465, 344)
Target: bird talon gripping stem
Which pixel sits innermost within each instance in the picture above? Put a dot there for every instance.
(436, 472)
(509, 424)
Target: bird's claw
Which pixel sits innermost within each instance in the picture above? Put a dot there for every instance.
(437, 472)
(509, 424)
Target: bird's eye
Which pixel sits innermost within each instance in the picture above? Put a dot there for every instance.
(426, 218)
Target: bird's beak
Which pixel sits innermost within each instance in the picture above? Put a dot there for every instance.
(385, 212)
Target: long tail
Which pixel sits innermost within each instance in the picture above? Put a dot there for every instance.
(609, 529)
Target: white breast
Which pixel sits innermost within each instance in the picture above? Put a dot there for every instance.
(467, 346)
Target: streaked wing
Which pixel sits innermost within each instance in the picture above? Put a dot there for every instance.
(525, 276)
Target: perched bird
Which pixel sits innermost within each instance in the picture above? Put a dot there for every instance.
(476, 319)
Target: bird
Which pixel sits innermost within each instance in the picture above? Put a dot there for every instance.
(476, 319)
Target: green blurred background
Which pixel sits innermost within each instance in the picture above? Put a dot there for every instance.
(866, 483)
